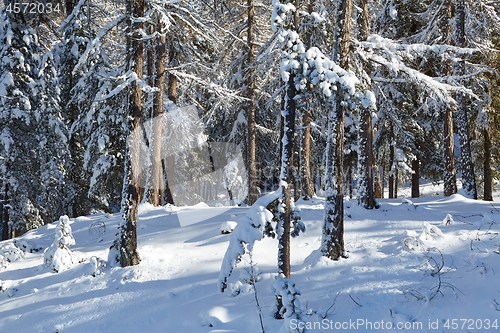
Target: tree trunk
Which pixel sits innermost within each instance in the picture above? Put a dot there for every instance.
(333, 228)
(69, 4)
(169, 164)
(286, 178)
(168, 198)
(385, 177)
(157, 177)
(307, 188)
(367, 158)
(488, 176)
(378, 190)
(128, 254)
(415, 178)
(172, 79)
(305, 167)
(468, 175)
(396, 178)
(450, 178)
(5, 213)
(392, 169)
(253, 184)
(366, 161)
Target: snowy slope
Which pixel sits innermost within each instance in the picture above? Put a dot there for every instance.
(407, 267)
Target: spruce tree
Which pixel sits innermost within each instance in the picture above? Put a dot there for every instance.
(33, 148)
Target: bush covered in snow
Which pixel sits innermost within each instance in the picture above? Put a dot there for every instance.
(58, 254)
(11, 252)
(3, 262)
(227, 227)
(97, 265)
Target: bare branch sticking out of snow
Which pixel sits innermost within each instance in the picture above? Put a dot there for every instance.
(448, 220)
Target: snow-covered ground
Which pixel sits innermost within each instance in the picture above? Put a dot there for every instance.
(407, 268)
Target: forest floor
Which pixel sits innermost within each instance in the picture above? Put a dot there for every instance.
(408, 271)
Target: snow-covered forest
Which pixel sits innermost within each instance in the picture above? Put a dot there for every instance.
(275, 118)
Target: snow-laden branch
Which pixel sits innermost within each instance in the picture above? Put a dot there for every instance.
(311, 66)
(248, 230)
(210, 86)
(94, 44)
(394, 57)
(426, 32)
(71, 16)
(376, 42)
(483, 70)
(127, 79)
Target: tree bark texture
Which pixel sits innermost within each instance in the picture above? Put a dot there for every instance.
(367, 158)
(392, 172)
(379, 190)
(450, 178)
(69, 4)
(487, 168)
(253, 184)
(468, 175)
(415, 179)
(286, 178)
(128, 235)
(307, 185)
(157, 177)
(172, 79)
(333, 228)
(5, 213)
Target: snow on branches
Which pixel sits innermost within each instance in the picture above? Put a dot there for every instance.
(310, 66)
(58, 254)
(248, 230)
(395, 63)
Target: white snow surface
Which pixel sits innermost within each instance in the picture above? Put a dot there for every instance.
(391, 276)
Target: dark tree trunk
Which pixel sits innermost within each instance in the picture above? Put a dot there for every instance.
(286, 178)
(168, 198)
(367, 158)
(5, 213)
(396, 177)
(333, 228)
(392, 171)
(450, 178)
(158, 179)
(488, 176)
(70, 5)
(169, 164)
(172, 79)
(415, 178)
(307, 187)
(305, 167)
(379, 190)
(128, 255)
(468, 175)
(253, 184)
(150, 73)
